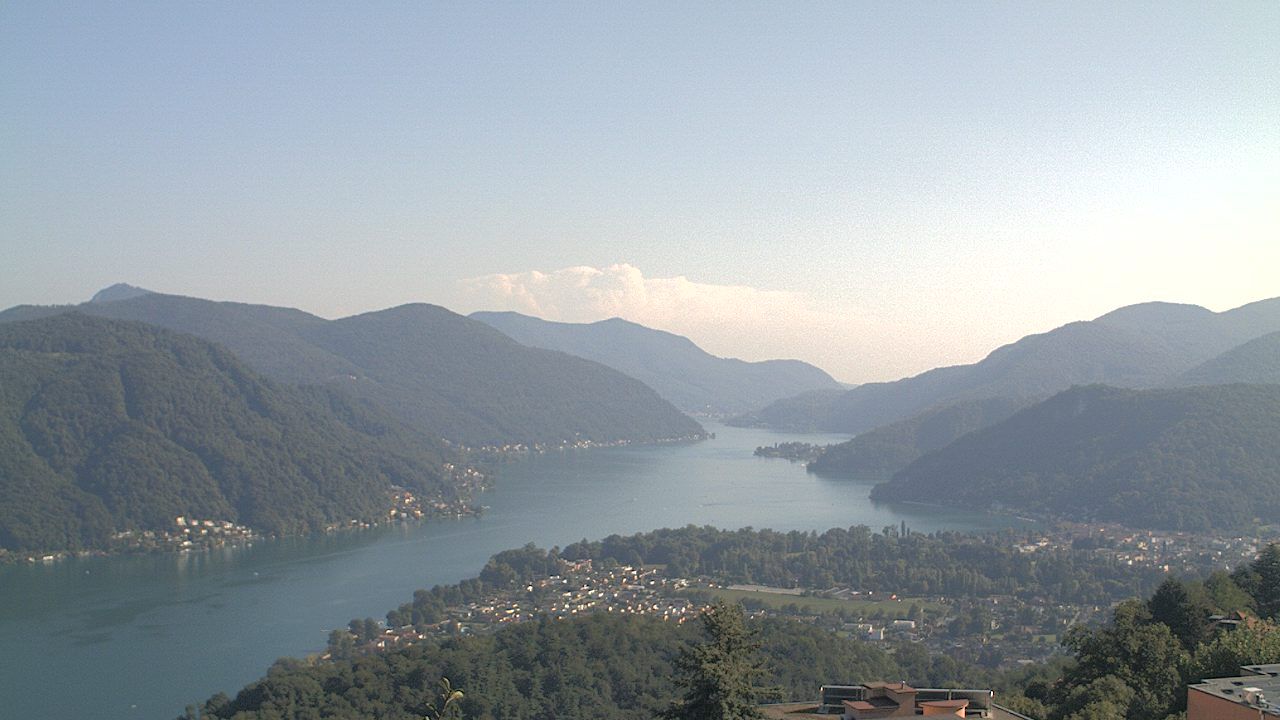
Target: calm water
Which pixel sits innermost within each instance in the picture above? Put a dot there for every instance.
(141, 637)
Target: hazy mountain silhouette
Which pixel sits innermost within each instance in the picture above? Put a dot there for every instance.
(683, 373)
(1137, 346)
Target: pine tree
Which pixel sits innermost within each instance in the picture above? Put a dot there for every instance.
(718, 676)
(1267, 567)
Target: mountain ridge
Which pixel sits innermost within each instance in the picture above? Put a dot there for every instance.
(1143, 345)
(1197, 458)
(686, 375)
(452, 377)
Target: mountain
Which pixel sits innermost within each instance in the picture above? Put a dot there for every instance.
(1139, 346)
(880, 453)
(799, 413)
(119, 291)
(686, 375)
(1194, 458)
(445, 374)
(109, 426)
(1257, 361)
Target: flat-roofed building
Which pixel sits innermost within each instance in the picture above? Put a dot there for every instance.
(1252, 695)
(875, 700)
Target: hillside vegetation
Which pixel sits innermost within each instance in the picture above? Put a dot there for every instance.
(680, 371)
(447, 375)
(878, 454)
(109, 426)
(597, 666)
(1257, 361)
(1196, 458)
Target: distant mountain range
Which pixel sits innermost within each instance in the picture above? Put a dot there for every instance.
(689, 377)
(1196, 458)
(109, 426)
(446, 375)
(1140, 346)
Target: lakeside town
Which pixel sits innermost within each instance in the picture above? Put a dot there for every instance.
(997, 631)
(189, 534)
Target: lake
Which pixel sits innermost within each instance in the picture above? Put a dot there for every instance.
(143, 636)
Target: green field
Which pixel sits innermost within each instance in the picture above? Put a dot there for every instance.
(890, 608)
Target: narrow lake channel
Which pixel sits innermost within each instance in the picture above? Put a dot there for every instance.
(143, 636)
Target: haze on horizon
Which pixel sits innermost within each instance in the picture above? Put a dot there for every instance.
(874, 188)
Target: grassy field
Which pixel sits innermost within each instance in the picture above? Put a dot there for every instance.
(889, 608)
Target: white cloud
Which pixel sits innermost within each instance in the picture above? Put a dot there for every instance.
(734, 320)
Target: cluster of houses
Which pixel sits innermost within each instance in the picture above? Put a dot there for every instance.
(580, 588)
(187, 534)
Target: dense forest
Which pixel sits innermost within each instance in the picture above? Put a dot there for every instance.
(683, 373)
(1137, 667)
(598, 666)
(1139, 346)
(109, 426)
(1197, 458)
(446, 375)
(878, 454)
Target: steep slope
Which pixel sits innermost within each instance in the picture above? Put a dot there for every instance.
(683, 373)
(878, 454)
(450, 376)
(1257, 361)
(462, 379)
(800, 413)
(1138, 346)
(108, 426)
(1195, 458)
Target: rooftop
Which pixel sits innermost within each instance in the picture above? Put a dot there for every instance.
(1258, 686)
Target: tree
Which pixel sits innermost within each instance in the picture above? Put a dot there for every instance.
(1187, 617)
(446, 706)
(718, 676)
(1222, 657)
(1133, 651)
(1225, 594)
(1267, 568)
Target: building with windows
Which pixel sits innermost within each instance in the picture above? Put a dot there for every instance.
(1252, 695)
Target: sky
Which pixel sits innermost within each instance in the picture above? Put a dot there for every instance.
(877, 188)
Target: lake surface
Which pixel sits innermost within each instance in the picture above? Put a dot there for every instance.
(143, 636)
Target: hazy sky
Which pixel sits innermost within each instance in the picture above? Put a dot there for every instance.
(874, 187)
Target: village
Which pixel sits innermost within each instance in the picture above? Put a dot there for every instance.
(996, 631)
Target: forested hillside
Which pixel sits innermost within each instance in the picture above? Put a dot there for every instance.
(806, 412)
(1257, 361)
(1139, 346)
(449, 376)
(110, 426)
(598, 666)
(1138, 666)
(683, 373)
(1197, 458)
(878, 454)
